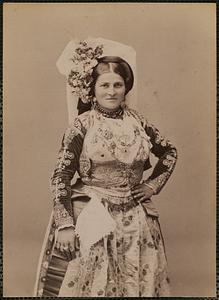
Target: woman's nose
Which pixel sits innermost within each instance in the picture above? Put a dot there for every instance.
(111, 90)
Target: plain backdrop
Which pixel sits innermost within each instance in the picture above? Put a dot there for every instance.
(176, 59)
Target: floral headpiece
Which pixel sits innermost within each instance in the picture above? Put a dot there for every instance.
(77, 66)
(84, 60)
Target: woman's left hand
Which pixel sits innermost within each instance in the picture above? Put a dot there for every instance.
(141, 192)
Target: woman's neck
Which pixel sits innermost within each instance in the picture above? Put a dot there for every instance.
(114, 113)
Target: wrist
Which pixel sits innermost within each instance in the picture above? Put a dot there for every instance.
(150, 186)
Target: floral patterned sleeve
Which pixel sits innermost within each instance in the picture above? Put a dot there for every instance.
(66, 166)
(167, 155)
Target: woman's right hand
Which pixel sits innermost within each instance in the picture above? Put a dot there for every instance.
(66, 239)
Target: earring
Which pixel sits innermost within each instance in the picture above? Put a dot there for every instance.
(123, 104)
(93, 102)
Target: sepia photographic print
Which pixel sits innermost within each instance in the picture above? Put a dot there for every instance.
(109, 150)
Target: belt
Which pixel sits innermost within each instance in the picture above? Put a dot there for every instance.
(122, 207)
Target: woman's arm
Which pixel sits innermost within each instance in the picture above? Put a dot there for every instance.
(167, 155)
(66, 166)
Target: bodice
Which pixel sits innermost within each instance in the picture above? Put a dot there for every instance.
(114, 152)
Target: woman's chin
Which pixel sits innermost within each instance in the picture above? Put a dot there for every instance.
(111, 107)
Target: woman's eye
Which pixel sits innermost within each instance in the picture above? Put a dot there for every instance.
(119, 84)
(115, 85)
(105, 85)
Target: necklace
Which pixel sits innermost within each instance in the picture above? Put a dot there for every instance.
(109, 114)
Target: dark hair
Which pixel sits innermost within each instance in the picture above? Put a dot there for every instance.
(118, 65)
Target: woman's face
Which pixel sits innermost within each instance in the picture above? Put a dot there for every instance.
(110, 90)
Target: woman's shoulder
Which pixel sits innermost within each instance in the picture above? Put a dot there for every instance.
(137, 115)
(82, 121)
(84, 117)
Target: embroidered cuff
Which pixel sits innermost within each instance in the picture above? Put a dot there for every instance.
(62, 217)
(158, 182)
(66, 226)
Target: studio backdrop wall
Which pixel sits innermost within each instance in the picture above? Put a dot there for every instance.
(175, 45)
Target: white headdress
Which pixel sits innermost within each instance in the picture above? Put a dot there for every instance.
(66, 64)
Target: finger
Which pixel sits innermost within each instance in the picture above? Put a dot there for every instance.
(64, 248)
(144, 199)
(66, 252)
(139, 195)
(135, 187)
(71, 248)
(57, 245)
(69, 251)
(137, 191)
(71, 244)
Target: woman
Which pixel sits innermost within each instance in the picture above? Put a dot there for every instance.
(108, 240)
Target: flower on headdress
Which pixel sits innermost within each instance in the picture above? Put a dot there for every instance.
(84, 60)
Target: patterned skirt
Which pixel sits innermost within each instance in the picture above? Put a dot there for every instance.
(129, 262)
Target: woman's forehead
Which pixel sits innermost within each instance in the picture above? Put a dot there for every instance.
(109, 76)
